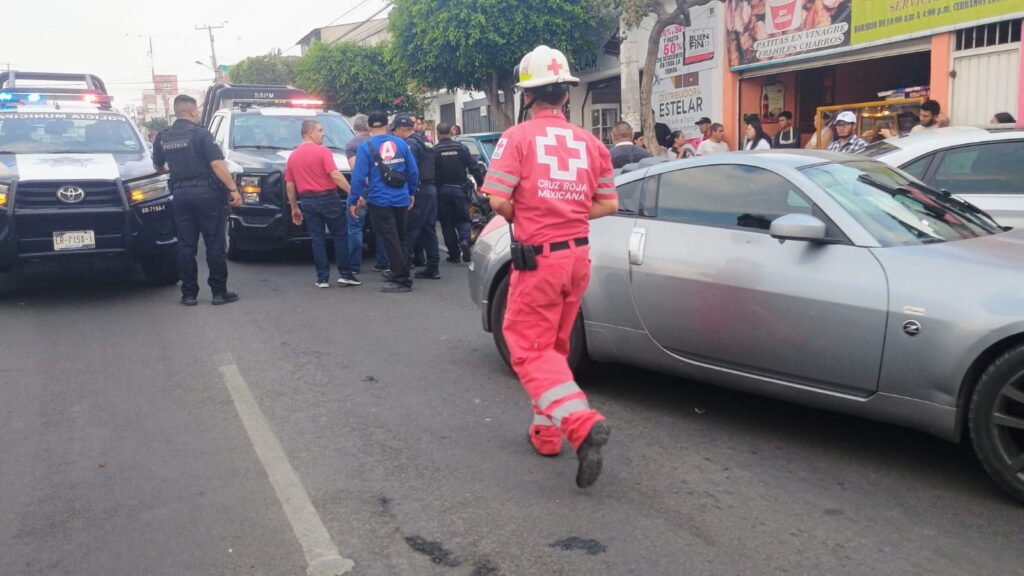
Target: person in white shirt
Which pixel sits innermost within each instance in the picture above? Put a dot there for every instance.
(929, 116)
(715, 144)
(756, 138)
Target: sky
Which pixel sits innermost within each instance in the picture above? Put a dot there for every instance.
(110, 38)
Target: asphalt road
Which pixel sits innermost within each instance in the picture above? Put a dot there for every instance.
(127, 447)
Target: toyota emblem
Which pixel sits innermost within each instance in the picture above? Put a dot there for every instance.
(70, 194)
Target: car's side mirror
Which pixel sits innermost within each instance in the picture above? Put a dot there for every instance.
(798, 227)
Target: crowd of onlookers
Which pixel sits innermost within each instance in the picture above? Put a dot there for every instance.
(838, 132)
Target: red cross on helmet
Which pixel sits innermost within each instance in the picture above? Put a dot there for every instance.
(544, 66)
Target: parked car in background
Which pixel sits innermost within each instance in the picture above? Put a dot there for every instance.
(481, 145)
(982, 165)
(821, 278)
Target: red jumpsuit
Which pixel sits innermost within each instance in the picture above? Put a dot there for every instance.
(552, 171)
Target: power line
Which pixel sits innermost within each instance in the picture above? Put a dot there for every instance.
(213, 53)
(361, 24)
(347, 12)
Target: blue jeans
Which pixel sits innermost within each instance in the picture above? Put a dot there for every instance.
(322, 210)
(355, 243)
(422, 226)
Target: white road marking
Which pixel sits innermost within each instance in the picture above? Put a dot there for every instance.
(322, 556)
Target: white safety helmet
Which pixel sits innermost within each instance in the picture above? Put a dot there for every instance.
(544, 66)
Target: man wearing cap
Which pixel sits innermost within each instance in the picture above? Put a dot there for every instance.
(389, 200)
(846, 139)
(421, 228)
(360, 125)
(452, 163)
(788, 135)
(550, 178)
(704, 125)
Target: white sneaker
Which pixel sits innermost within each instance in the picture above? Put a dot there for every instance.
(322, 285)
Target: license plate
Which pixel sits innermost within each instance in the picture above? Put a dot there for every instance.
(77, 240)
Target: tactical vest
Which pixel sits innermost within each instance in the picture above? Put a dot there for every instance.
(424, 154)
(451, 168)
(183, 157)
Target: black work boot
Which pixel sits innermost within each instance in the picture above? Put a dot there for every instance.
(589, 454)
(467, 252)
(428, 274)
(225, 298)
(188, 301)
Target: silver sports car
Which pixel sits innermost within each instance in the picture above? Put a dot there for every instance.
(825, 279)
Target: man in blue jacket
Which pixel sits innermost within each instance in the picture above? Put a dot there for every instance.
(389, 202)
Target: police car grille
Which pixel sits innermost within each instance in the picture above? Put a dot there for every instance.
(42, 226)
(98, 194)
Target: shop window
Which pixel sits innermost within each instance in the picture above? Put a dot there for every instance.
(995, 34)
(602, 119)
(994, 168)
(729, 196)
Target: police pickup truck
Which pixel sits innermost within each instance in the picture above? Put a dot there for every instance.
(257, 127)
(77, 180)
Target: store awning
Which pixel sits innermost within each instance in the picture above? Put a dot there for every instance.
(872, 53)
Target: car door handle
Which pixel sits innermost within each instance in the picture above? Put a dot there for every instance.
(637, 243)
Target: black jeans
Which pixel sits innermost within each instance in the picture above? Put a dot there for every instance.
(200, 209)
(389, 222)
(422, 226)
(453, 211)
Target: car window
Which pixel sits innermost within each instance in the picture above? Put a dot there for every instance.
(629, 196)
(918, 167)
(992, 168)
(728, 195)
(474, 149)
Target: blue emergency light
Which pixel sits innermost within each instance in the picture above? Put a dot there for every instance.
(6, 96)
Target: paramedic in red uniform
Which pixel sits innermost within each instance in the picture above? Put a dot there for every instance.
(549, 178)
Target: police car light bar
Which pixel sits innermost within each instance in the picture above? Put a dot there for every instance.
(12, 98)
(306, 103)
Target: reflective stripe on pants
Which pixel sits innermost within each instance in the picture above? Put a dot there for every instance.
(542, 308)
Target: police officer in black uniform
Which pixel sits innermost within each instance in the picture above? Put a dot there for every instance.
(421, 227)
(198, 180)
(452, 162)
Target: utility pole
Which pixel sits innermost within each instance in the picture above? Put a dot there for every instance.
(213, 53)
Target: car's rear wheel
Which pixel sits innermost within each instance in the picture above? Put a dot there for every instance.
(160, 269)
(996, 421)
(577, 345)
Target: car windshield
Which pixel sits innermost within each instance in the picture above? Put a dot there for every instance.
(285, 132)
(66, 132)
(897, 210)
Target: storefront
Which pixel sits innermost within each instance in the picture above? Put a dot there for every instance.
(800, 56)
(596, 104)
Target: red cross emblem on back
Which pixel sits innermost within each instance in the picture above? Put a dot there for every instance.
(555, 67)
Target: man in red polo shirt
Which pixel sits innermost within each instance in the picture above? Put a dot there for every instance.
(550, 179)
(312, 180)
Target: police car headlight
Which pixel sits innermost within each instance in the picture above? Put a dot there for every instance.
(251, 187)
(149, 189)
(4, 189)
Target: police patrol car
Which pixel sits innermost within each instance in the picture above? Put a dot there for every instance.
(76, 178)
(257, 127)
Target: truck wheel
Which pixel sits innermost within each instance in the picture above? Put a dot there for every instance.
(996, 421)
(161, 269)
(578, 359)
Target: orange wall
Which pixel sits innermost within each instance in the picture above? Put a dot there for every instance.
(730, 119)
(942, 54)
(750, 97)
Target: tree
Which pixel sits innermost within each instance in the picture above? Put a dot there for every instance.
(633, 13)
(353, 78)
(155, 124)
(270, 68)
(476, 44)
